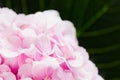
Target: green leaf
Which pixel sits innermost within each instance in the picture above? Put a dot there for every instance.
(100, 35)
(8, 3)
(24, 6)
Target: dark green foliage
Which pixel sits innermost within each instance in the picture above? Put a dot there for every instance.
(97, 23)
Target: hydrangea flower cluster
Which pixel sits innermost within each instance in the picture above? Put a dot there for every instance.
(41, 46)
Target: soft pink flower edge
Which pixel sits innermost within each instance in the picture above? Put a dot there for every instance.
(41, 46)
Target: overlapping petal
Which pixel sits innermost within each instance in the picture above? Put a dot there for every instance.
(41, 46)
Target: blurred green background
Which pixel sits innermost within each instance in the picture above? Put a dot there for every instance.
(97, 23)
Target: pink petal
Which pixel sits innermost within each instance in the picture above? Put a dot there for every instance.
(4, 68)
(1, 78)
(43, 44)
(98, 78)
(32, 52)
(15, 41)
(44, 68)
(62, 75)
(6, 48)
(88, 71)
(29, 37)
(26, 79)
(8, 76)
(25, 71)
(67, 28)
(78, 61)
(12, 63)
(53, 18)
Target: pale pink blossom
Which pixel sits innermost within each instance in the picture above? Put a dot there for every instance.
(41, 46)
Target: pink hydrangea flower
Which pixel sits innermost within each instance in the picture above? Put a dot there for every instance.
(41, 46)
